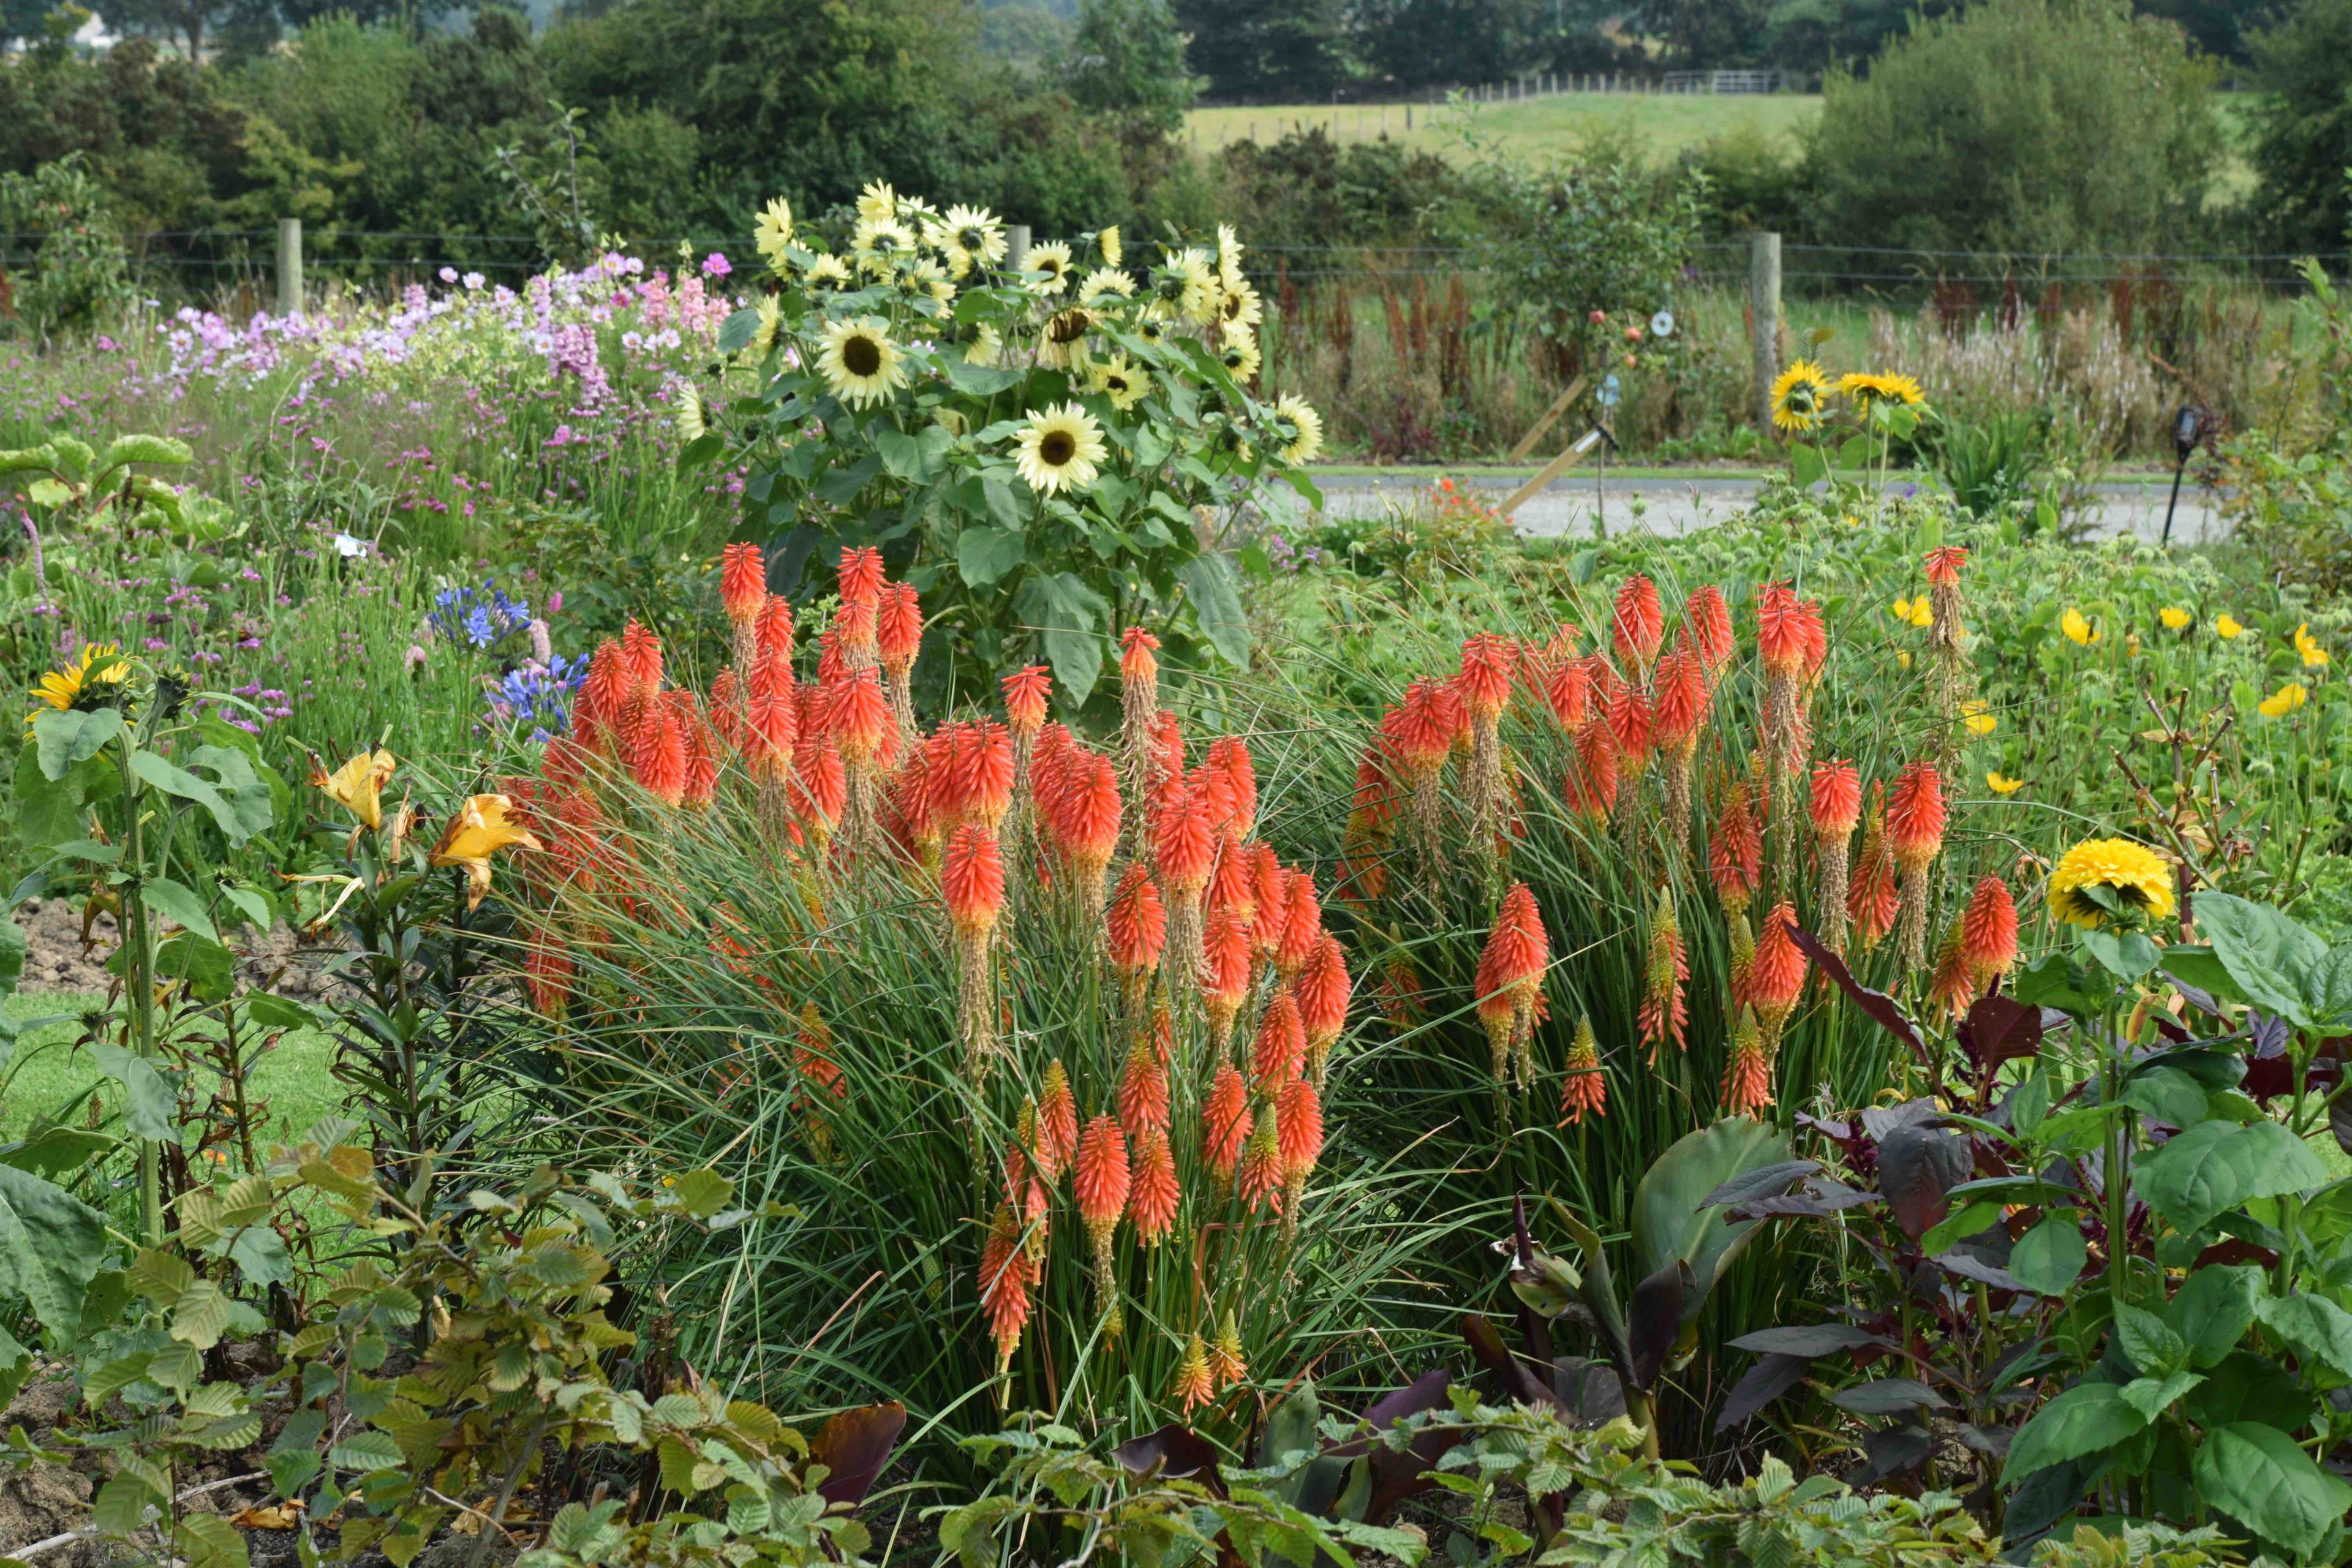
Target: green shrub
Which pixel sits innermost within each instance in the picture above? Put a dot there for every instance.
(2304, 124)
(2023, 125)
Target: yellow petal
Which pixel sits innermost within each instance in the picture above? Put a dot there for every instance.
(358, 785)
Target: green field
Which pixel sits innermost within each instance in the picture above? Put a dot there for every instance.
(1665, 123)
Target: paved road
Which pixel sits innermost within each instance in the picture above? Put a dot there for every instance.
(1569, 506)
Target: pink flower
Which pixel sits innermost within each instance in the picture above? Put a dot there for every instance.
(716, 266)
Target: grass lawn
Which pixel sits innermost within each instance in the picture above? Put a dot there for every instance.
(46, 1073)
(1664, 123)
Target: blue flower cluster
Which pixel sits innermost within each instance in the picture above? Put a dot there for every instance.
(481, 617)
(539, 697)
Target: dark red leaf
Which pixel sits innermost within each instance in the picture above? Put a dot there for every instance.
(1768, 1379)
(1519, 1382)
(2000, 1029)
(1655, 1318)
(855, 1447)
(1174, 1450)
(2236, 1249)
(1917, 1166)
(1879, 1005)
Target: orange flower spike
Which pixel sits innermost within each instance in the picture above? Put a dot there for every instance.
(1138, 925)
(1681, 699)
(742, 584)
(1089, 815)
(1484, 683)
(1835, 805)
(1637, 625)
(1193, 1386)
(1302, 925)
(1510, 974)
(1099, 1176)
(701, 754)
(1952, 984)
(1143, 1091)
(1584, 1090)
(1776, 976)
(641, 653)
(660, 761)
(1258, 1177)
(1989, 931)
(1748, 1073)
(1153, 1193)
(1874, 896)
(1710, 620)
(819, 785)
(1214, 792)
(1004, 1284)
(1916, 818)
(1631, 725)
(1225, 971)
(858, 717)
(1567, 690)
(1182, 846)
(1230, 756)
(1591, 788)
(1298, 1128)
(1425, 727)
(1323, 991)
(1944, 565)
(1230, 887)
(1779, 631)
(1273, 888)
(1734, 852)
(1224, 1123)
(1027, 1187)
(1137, 660)
(726, 702)
(1056, 1137)
(1025, 691)
(898, 627)
(1279, 1052)
(862, 576)
(1664, 1014)
(984, 772)
(850, 640)
(775, 628)
(972, 876)
(602, 694)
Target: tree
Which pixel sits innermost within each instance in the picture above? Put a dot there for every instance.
(2220, 28)
(1816, 35)
(1269, 51)
(1126, 58)
(2304, 133)
(2030, 126)
(1703, 34)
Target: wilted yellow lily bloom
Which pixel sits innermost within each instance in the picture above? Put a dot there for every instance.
(358, 785)
(2174, 618)
(2001, 784)
(2228, 626)
(2314, 655)
(2076, 629)
(2285, 701)
(479, 830)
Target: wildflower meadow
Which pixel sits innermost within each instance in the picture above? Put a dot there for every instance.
(917, 948)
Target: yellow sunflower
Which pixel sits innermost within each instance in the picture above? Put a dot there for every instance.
(87, 681)
(1105, 283)
(1238, 305)
(878, 204)
(1799, 398)
(1120, 382)
(1060, 448)
(772, 234)
(1052, 259)
(859, 363)
(828, 272)
(1307, 427)
(1107, 242)
(1866, 387)
(1239, 355)
(2105, 882)
(969, 237)
(1184, 286)
(880, 246)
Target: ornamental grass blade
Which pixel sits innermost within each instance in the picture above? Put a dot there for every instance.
(1882, 1008)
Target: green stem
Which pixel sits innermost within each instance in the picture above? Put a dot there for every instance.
(139, 980)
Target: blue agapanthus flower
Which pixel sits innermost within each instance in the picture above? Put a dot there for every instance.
(539, 697)
(479, 617)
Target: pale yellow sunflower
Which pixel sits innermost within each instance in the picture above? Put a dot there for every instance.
(1306, 427)
(969, 237)
(2105, 882)
(1063, 343)
(772, 234)
(1060, 448)
(859, 363)
(828, 272)
(1052, 260)
(1120, 382)
(1800, 399)
(986, 344)
(1238, 305)
(690, 423)
(1107, 243)
(1105, 283)
(878, 204)
(1239, 355)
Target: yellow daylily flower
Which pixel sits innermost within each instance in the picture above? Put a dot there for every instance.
(76, 685)
(2314, 655)
(2001, 784)
(479, 830)
(2285, 701)
(358, 785)
(2174, 618)
(1979, 721)
(2078, 630)
(2229, 627)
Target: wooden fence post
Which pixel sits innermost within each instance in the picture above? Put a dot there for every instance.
(1016, 246)
(289, 267)
(1764, 312)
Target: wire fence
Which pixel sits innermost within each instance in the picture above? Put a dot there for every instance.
(192, 264)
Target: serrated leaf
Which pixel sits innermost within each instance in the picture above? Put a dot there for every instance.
(201, 1315)
(2215, 1166)
(366, 1452)
(2261, 1476)
(2049, 1258)
(2149, 1341)
(2087, 1419)
(2316, 1327)
(51, 1244)
(122, 1505)
(2152, 1396)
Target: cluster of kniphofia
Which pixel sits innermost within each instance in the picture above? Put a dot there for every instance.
(1223, 995)
(1692, 770)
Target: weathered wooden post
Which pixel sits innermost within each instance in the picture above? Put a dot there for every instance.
(1016, 246)
(1764, 332)
(289, 267)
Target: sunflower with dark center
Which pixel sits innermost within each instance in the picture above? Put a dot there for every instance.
(1799, 398)
(1060, 448)
(1069, 326)
(859, 363)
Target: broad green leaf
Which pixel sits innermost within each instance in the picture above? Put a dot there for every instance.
(1217, 605)
(293, 1459)
(2316, 1328)
(1806, 467)
(65, 737)
(123, 1504)
(2266, 952)
(1670, 1221)
(2152, 1396)
(13, 949)
(366, 1452)
(2085, 1420)
(736, 332)
(2260, 1476)
(15, 1367)
(2127, 955)
(178, 902)
(51, 1244)
(143, 449)
(201, 1315)
(260, 1255)
(268, 1010)
(2168, 1094)
(2049, 1258)
(46, 491)
(984, 554)
(208, 1540)
(48, 811)
(702, 1193)
(2150, 1342)
(148, 1103)
(240, 806)
(2212, 1310)
(2214, 1167)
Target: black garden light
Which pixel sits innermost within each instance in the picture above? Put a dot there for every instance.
(2188, 429)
